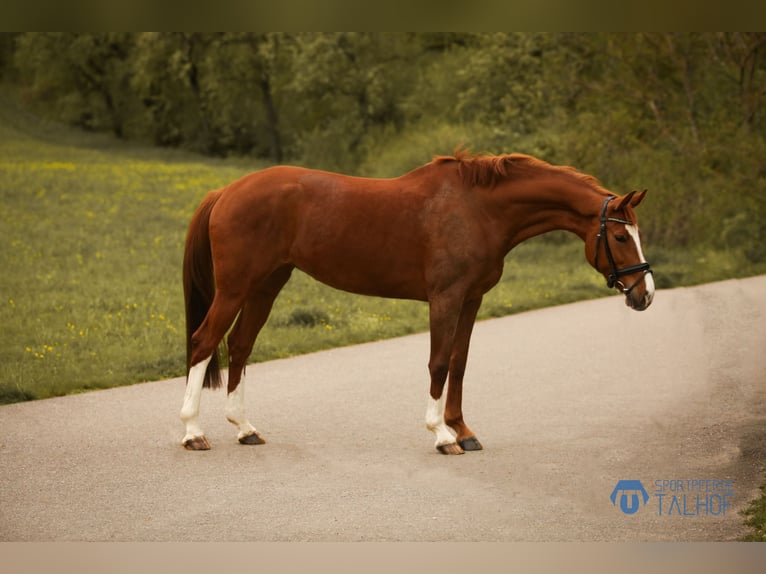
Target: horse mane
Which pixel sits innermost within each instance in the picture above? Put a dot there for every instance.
(488, 170)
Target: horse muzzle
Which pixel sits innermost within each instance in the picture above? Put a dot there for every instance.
(636, 299)
(640, 305)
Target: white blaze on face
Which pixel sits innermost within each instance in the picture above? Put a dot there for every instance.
(648, 278)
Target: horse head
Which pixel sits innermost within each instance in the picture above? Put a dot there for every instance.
(613, 248)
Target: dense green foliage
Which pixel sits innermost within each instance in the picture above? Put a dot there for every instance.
(755, 518)
(679, 114)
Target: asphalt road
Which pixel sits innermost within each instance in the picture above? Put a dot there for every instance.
(567, 401)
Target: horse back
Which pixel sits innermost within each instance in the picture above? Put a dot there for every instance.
(368, 236)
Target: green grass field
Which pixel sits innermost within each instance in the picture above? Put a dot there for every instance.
(91, 248)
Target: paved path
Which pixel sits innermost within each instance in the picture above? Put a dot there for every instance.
(566, 400)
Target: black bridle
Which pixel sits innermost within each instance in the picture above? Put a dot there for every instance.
(613, 280)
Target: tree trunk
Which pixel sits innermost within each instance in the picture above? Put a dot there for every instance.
(272, 119)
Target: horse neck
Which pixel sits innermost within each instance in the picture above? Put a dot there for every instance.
(527, 208)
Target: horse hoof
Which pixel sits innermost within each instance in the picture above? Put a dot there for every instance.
(451, 448)
(196, 443)
(471, 443)
(252, 438)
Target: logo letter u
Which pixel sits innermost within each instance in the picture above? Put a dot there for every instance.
(629, 491)
(631, 508)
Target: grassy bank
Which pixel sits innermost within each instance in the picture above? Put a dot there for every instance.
(90, 252)
(755, 518)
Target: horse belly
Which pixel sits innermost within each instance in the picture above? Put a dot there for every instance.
(364, 272)
(370, 256)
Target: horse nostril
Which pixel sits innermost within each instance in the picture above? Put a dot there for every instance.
(638, 304)
(646, 300)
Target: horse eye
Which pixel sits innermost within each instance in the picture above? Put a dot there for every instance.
(621, 238)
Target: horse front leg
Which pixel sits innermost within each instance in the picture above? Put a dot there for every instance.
(453, 416)
(444, 316)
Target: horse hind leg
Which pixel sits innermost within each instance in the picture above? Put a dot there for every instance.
(241, 340)
(194, 439)
(205, 340)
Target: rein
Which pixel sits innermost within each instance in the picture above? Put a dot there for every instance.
(613, 280)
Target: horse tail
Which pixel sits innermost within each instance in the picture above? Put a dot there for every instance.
(199, 284)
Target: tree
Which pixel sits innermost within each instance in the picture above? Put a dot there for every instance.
(7, 46)
(167, 77)
(246, 73)
(345, 89)
(83, 76)
(742, 57)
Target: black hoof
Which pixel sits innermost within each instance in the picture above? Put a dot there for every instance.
(471, 443)
(451, 448)
(253, 438)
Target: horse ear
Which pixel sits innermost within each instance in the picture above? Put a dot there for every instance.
(638, 198)
(631, 199)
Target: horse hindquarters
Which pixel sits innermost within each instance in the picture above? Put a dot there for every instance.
(209, 314)
(230, 266)
(199, 285)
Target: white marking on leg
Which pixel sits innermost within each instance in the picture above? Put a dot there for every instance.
(190, 409)
(235, 411)
(648, 277)
(435, 421)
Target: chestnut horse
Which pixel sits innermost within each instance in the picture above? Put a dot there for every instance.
(437, 234)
